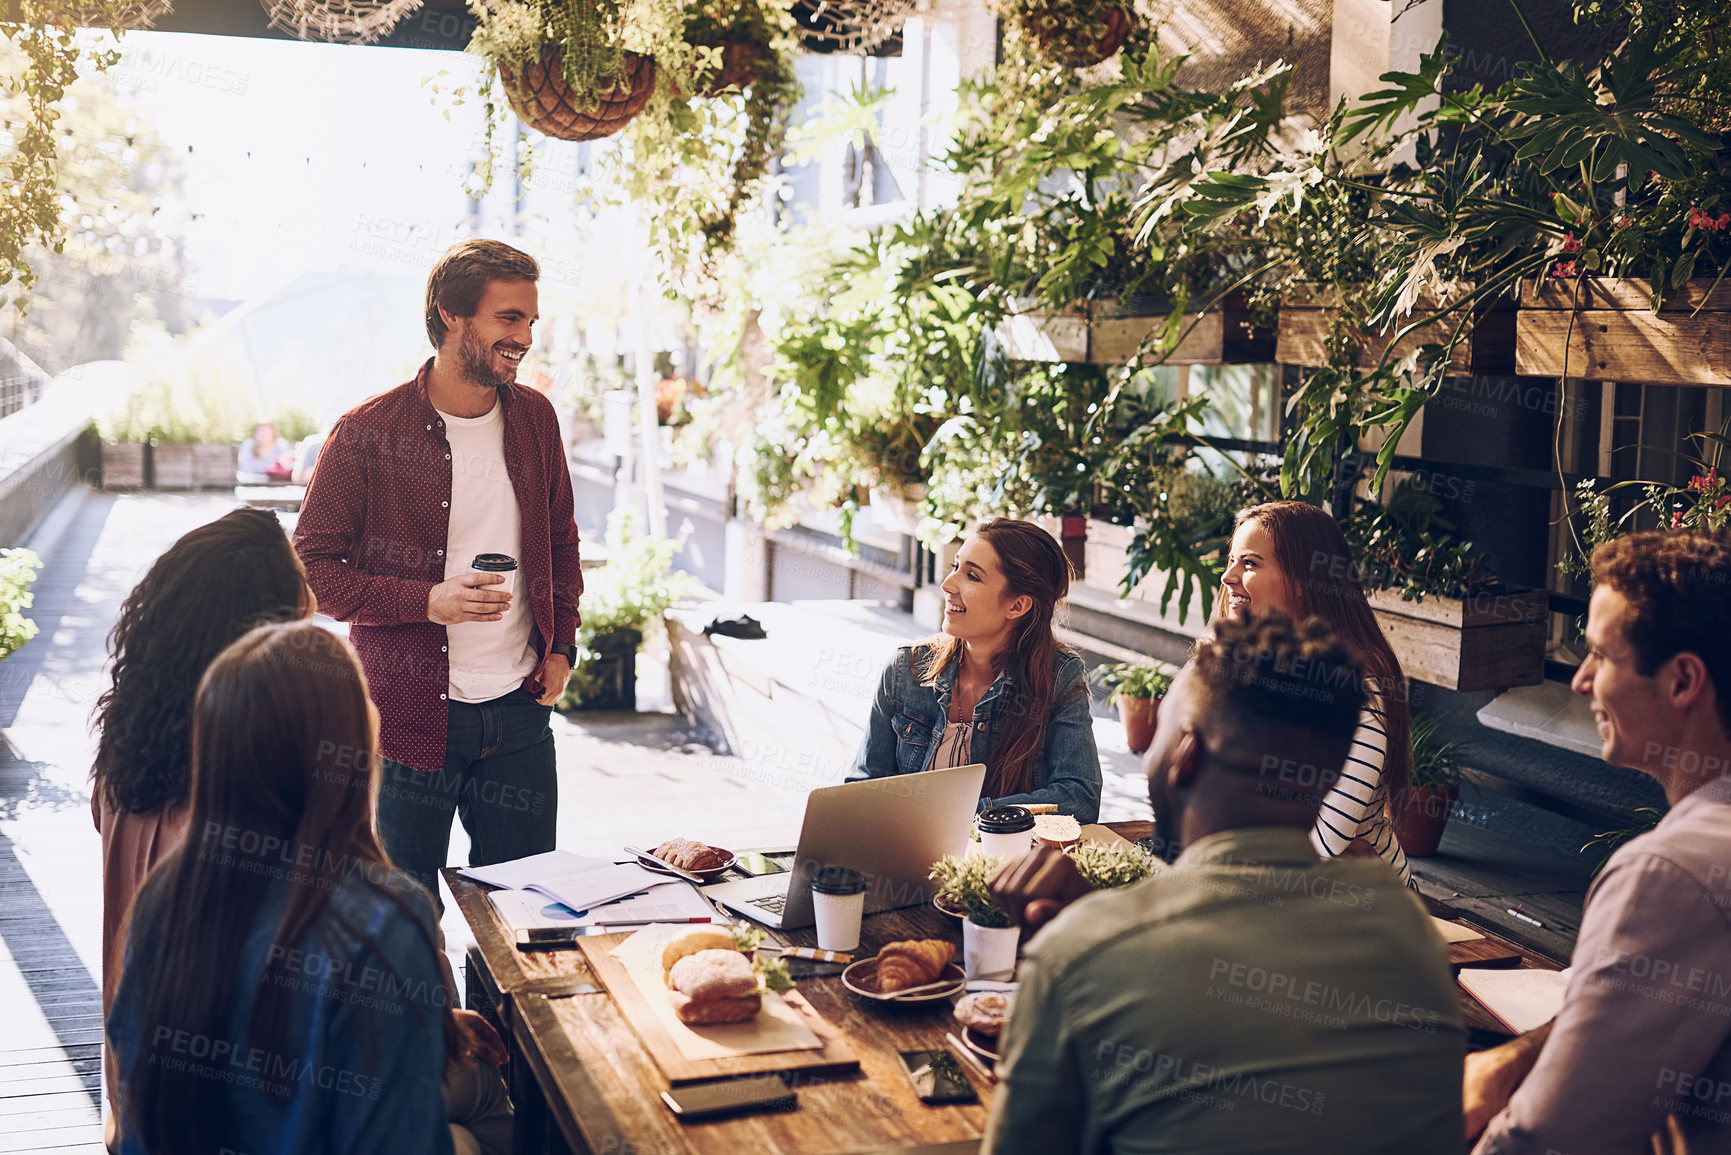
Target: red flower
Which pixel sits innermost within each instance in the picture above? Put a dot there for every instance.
(1719, 503)
(1703, 222)
(1677, 519)
(1570, 244)
(1623, 222)
(1563, 269)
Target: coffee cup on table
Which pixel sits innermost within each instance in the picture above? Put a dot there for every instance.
(503, 564)
(1006, 832)
(838, 901)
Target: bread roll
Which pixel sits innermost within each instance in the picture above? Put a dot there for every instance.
(715, 986)
(1056, 829)
(691, 940)
(710, 1012)
(714, 974)
(984, 1011)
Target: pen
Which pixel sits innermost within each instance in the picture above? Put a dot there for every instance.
(647, 921)
(1525, 917)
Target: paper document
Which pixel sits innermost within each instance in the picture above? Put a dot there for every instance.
(584, 889)
(531, 910)
(1521, 999)
(520, 872)
(1454, 931)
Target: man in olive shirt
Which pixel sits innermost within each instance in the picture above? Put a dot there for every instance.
(1251, 998)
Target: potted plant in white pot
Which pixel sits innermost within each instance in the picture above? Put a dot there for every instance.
(1137, 687)
(989, 936)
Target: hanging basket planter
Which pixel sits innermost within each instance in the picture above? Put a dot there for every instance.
(853, 27)
(1075, 42)
(540, 96)
(338, 21)
(743, 63)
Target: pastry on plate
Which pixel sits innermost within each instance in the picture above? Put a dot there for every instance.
(715, 986)
(691, 940)
(912, 963)
(687, 854)
(1058, 830)
(984, 1011)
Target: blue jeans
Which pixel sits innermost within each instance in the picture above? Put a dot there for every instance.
(499, 777)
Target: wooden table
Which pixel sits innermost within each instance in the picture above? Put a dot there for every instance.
(582, 1081)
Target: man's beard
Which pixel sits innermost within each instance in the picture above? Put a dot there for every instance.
(1168, 817)
(475, 362)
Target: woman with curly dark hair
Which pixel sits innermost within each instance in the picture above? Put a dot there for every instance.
(213, 585)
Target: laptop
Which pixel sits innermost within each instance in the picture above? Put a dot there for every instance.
(889, 829)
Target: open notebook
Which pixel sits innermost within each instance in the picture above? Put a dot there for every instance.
(1521, 999)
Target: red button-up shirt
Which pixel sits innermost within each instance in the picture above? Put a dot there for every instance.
(372, 534)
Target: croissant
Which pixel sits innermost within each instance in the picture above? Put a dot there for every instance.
(913, 963)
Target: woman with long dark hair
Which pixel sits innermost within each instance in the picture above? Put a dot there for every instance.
(1293, 557)
(210, 587)
(996, 686)
(282, 989)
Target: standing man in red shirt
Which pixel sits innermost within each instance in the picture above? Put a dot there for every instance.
(412, 485)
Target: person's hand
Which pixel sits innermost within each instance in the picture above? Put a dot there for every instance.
(464, 598)
(1490, 1081)
(553, 674)
(477, 1040)
(1034, 888)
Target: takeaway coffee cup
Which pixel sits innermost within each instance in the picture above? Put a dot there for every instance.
(1006, 831)
(500, 563)
(838, 901)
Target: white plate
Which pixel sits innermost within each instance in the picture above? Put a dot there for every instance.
(862, 979)
(709, 875)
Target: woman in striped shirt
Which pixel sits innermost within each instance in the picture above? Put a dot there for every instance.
(1292, 557)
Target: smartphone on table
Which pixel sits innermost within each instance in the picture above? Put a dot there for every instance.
(730, 1097)
(752, 863)
(937, 1077)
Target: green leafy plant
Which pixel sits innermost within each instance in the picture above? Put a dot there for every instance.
(18, 568)
(206, 406)
(1133, 680)
(1607, 841)
(963, 883)
(1410, 546)
(1107, 866)
(632, 592)
(1701, 505)
(44, 31)
(1435, 764)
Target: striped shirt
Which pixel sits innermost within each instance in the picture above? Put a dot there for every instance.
(1357, 807)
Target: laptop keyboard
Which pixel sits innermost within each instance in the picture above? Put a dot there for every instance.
(773, 903)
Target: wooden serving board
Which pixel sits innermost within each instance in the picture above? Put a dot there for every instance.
(836, 1055)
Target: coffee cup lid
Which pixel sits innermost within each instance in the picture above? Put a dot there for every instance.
(838, 880)
(1006, 820)
(493, 563)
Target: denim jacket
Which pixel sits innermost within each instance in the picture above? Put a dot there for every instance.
(908, 719)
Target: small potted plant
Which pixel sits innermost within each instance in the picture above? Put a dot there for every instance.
(1137, 687)
(989, 936)
(621, 601)
(1422, 809)
(1107, 866)
(1075, 33)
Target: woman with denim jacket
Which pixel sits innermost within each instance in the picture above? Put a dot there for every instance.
(996, 686)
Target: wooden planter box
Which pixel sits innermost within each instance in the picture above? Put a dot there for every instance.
(172, 466)
(1486, 642)
(1306, 315)
(213, 466)
(1104, 333)
(1608, 332)
(122, 466)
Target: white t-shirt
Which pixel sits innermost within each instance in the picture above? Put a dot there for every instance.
(488, 659)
